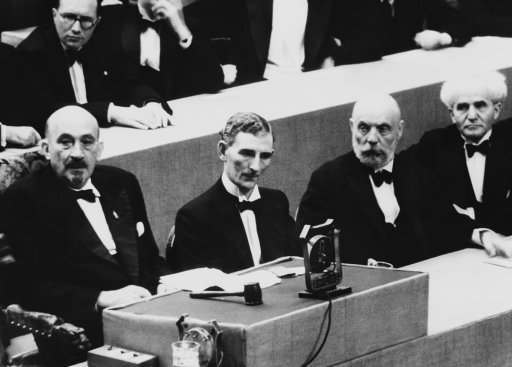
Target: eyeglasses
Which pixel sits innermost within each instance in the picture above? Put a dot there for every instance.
(69, 19)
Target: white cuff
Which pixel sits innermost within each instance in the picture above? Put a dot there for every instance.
(3, 137)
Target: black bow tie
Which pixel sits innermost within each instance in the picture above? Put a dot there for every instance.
(248, 205)
(483, 148)
(87, 195)
(74, 55)
(382, 176)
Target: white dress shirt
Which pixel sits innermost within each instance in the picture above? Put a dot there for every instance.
(476, 168)
(76, 73)
(150, 49)
(286, 52)
(96, 217)
(247, 216)
(386, 198)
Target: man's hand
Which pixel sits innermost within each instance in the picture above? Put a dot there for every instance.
(172, 11)
(230, 72)
(128, 294)
(151, 116)
(430, 40)
(25, 136)
(497, 245)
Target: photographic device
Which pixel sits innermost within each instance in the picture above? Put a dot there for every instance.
(322, 261)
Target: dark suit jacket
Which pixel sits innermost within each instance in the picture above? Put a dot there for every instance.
(412, 16)
(243, 28)
(182, 72)
(341, 189)
(65, 263)
(442, 152)
(209, 231)
(489, 17)
(47, 83)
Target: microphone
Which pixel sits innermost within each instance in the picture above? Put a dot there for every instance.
(252, 294)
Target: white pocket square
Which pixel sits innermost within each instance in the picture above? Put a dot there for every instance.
(140, 228)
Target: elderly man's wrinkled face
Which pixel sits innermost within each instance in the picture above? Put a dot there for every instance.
(72, 145)
(75, 21)
(246, 159)
(376, 131)
(474, 116)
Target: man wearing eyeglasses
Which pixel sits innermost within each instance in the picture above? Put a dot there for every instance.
(472, 157)
(64, 64)
(386, 206)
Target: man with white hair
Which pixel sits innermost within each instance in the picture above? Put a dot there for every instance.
(383, 202)
(471, 158)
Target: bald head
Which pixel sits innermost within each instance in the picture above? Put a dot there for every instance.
(72, 144)
(376, 128)
(377, 107)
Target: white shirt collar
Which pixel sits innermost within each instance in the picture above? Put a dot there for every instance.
(487, 136)
(89, 186)
(235, 191)
(387, 167)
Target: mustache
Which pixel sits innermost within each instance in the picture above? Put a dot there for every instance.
(76, 164)
(372, 153)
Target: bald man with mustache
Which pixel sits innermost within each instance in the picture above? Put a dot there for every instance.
(386, 207)
(79, 231)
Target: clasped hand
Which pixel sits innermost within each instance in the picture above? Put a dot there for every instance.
(128, 294)
(151, 116)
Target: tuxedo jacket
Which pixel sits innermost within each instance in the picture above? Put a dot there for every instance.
(183, 72)
(210, 232)
(442, 152)
(341, 189)
(241, 32)
(65, 263)
(489, 17)
(47, 83)
(399, 26)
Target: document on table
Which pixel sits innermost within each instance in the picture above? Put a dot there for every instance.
(201, 279)
(499, 261)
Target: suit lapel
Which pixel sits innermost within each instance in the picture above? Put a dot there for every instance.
(58, 64)
(496, 178)
(317, 24)
(233, 228)
(359, 183)
(118, 213)
(260, 25)
(455, 158)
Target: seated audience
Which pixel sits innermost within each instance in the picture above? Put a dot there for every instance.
(273, 39)
(79, 231)
(236, 224)
(13, 131)
(432, 24)
(154, 34)
(471, 158)
(385, 206)
(63, 64)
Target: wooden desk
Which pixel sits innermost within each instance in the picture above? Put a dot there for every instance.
(310, 117)
(470, 317)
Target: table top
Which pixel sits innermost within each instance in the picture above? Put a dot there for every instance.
(463, 288)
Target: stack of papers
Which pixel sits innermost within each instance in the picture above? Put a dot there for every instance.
(200, 279)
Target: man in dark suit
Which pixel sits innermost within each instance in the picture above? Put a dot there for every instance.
(471, 158)
(154, 35)
(80, 232)
(431, 24)
(13, 131)
(382, 202)
(269, 39)
(64, 64)
(236, 224)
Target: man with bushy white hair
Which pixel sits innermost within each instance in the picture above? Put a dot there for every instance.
(472, 158)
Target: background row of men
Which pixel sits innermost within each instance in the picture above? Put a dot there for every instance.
(90, 243)
(123, 63)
